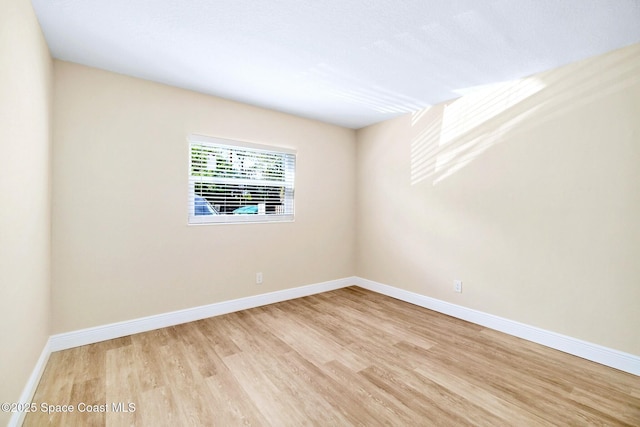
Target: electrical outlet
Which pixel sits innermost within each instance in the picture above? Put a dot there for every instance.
(258, 278)
(457, 285)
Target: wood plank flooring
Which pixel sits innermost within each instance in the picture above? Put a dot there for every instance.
(341, 358)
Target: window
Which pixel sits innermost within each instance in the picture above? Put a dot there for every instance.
(233, 181)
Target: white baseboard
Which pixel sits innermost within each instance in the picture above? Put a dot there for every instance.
(586, 350)
(116, 330)
(594, 352)
(17, 418)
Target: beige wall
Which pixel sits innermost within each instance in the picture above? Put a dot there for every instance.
(25, 96)
(529, 193)
(121, 245)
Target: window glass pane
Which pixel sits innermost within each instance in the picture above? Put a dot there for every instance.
(229, 184)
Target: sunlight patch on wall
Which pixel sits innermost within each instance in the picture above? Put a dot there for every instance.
(481, 105)
(425, 148)
(450, 141)
(450, 137)
(451, 160)
(416, 116)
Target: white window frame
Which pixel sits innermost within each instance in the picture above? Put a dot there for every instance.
(289, 160)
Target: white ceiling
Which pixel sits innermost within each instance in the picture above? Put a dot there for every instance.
(347, 62)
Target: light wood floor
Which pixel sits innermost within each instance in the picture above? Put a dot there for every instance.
(346, 357)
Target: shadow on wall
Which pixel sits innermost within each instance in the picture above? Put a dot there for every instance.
(449, 138)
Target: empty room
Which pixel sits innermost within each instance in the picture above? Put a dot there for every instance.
(319, 213)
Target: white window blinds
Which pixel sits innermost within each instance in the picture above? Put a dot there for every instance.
(233, 181)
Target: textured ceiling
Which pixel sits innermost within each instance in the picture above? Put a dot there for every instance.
(351, 63)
